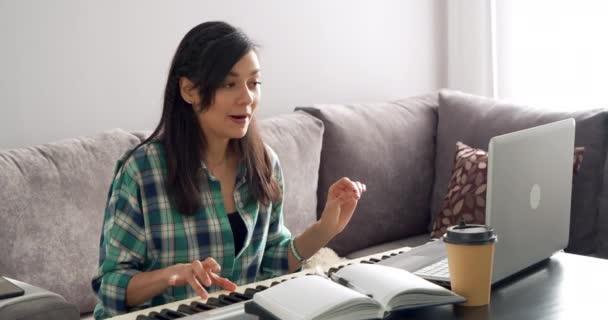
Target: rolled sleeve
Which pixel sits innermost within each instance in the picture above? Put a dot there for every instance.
(122, 248)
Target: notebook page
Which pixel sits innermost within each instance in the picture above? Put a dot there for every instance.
(306, 297)
(385, 282)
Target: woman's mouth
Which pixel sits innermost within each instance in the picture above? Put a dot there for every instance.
(240, 119)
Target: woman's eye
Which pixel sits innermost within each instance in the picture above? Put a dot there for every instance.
(256, 83)
(228, 85)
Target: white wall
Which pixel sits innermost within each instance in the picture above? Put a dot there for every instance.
(560, 63)
(73, 67)
(470, 56)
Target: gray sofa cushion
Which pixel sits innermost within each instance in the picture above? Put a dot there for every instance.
(53, 198)
(297, 138)
(389, 147)
(602, 219)
(474, 120)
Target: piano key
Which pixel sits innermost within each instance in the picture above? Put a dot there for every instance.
(157, 316)
(143, 317)
(201, 306)
(261, 288)
(249, 292)
(216, 302)
(240, 296)
(366, 262)
(374, 260)
(172, 314)
(228, 299)
(232, 312)
(274, 283)
(187, 309)
(385, 257)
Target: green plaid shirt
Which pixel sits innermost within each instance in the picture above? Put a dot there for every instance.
(143, 231)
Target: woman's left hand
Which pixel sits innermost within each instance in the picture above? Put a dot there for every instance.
(342, 199)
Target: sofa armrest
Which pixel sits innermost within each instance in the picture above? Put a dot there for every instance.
(37, 304)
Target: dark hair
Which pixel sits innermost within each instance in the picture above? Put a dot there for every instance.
(205, 56)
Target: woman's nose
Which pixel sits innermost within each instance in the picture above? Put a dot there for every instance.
(247, 96)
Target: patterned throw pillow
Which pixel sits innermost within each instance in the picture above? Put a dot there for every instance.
(466, 197)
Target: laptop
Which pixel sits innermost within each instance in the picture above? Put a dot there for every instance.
(527, 203)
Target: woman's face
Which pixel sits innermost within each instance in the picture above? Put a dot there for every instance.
(235, 101)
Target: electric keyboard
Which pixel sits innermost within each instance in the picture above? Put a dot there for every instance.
(226, 305)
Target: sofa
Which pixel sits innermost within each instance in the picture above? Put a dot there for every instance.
(52, 196)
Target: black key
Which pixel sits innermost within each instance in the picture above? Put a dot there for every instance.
(385, 257)
(400, 252)
(366, 262)
(186, 309)
(249, 292)
(157, 316)
(310, 274)
(261, 287)
(216, 302)
(143, 317)
(240, 296)
(394, 254)
(228, 300)
(200, 307)
(172, 314)
(332, 270)
(274, 283)
(374, 260)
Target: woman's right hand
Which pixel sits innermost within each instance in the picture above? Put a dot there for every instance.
(198, 274)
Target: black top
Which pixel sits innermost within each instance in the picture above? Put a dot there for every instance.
(238, 231)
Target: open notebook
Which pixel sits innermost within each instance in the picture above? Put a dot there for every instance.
(365, 291)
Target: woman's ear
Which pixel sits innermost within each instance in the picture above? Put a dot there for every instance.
(188, 91)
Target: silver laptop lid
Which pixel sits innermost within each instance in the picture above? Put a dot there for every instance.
(528, 195)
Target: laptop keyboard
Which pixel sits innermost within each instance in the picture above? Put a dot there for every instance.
(437, 269)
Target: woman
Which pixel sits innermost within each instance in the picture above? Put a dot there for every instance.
(199, 203)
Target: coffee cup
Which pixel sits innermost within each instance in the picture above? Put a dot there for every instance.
(470, 249)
